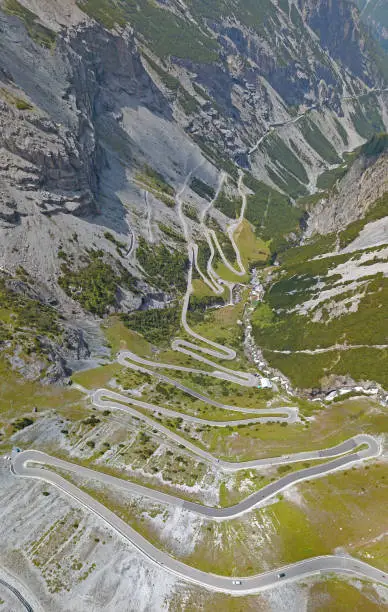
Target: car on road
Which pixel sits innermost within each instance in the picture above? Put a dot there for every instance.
(281, 575)
(236, 582)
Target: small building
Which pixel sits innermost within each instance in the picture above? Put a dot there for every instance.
(265, 383)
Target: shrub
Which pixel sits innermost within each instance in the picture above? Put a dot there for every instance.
(95, 286)
(22, 423)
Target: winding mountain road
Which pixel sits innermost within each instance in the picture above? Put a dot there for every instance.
(342, 457)
(17, 594)
(35, 464)
(105, 399)
(253, 584)
(125, 359)
(216, 350)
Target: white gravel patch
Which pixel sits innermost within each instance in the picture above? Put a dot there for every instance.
(287, 598)
(121, 577)
(180, 528)
(354, 269)
(293, 495)
(373, 234)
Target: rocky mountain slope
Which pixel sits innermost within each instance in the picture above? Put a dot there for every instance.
(106, 108)
(323, 318)
(194, 249)
(375, 14)
(350, 198)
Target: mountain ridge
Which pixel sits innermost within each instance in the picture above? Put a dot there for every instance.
(122, 126)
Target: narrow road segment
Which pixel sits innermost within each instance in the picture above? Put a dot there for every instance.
(236, 586)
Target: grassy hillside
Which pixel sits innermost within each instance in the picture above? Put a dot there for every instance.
(272, 214)
(321, 305)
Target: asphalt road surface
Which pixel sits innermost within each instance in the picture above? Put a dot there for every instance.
(308, 567)
(110, 400)
(104, 398)
(21, 461)
(17, 594)
(124, 356)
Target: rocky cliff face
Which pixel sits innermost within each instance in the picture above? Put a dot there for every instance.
(92, 93)
(56, 177)
(364, 183)
(341, 33)
(51, 156)
(374, 14)
(56, 134)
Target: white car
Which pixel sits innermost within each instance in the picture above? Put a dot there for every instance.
(236, 582)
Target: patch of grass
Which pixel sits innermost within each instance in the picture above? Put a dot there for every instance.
(300, 254)
(18, 398)
(304, 371)
(318, 141)
(224, 241)
(155, 181)
(38, 32)
(286, 182)
(364, 364)
(191, 212)
(120, 246)
(282, 155)
(333, 512)
(203, 255)
(309, 201)
(23, 104)
(201, 290)
(27, 327)
(16, 101)
(346, 507)
(328, 178)
(334, 594)
(377, 211)
(253, 250)
(97, 377)
(307, 371)
(375, 552)
(272, 214)
(22, 423)
(167, 395)
(293, 331)
(377, 145)
(366, 117)
(249, 13)
(329, 427)
(201, 92)
(169, 80)
(227, 274)
(298, 538)
(131, 379)
(171, 232)
(188, 102)
(121, 338)
(202, 304)
(19, 313)
(221, 325)
(342, 132)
